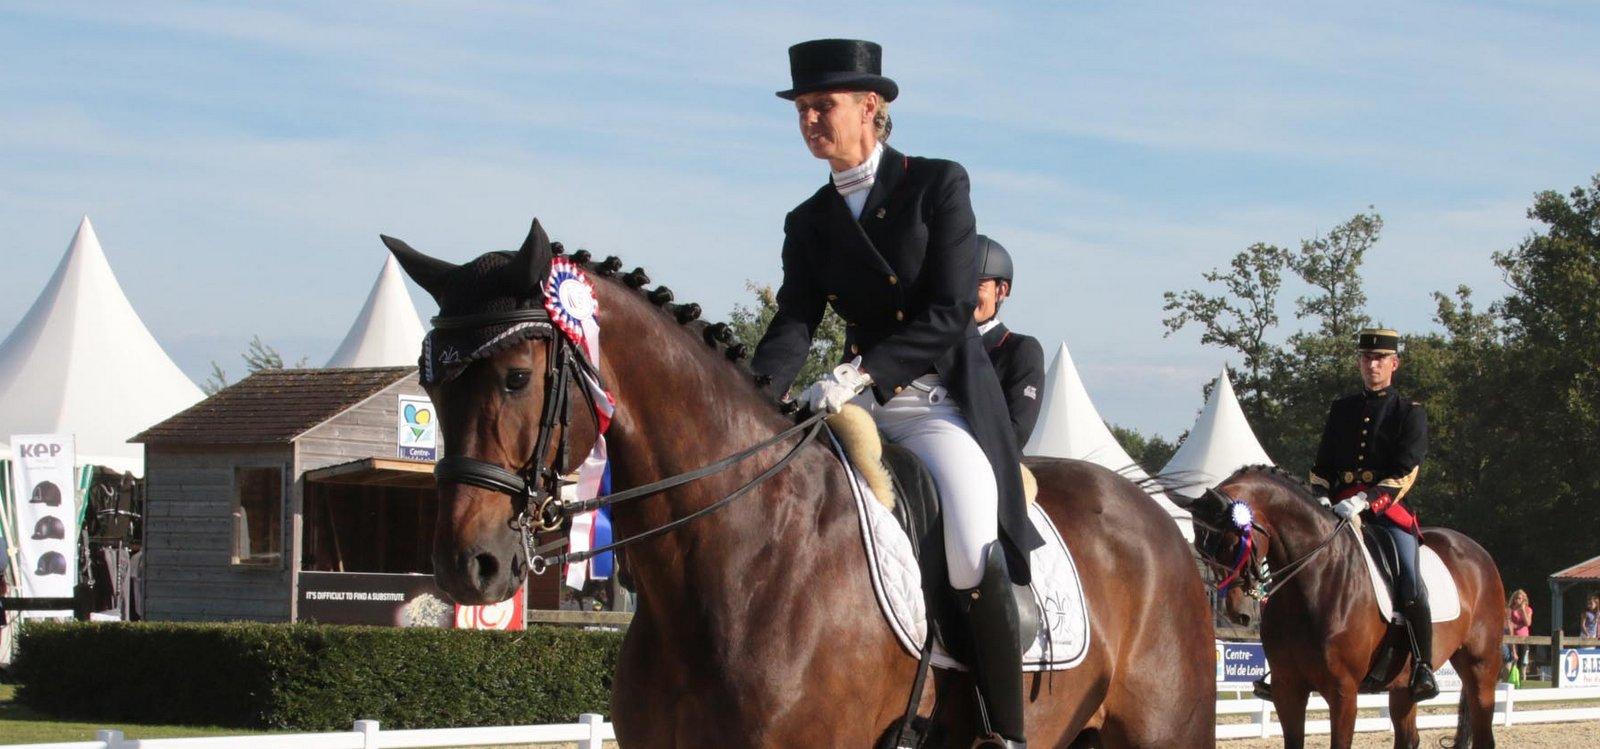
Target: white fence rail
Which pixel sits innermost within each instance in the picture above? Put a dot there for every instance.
(1509, 710)
(589, 732)
(592, 730)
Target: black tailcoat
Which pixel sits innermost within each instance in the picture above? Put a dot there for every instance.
(904, 278)
(1019, 361)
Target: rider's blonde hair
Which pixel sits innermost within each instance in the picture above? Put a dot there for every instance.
(881, 124)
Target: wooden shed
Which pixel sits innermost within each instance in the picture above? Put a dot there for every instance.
(300, 494)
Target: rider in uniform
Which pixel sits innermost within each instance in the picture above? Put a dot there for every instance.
(890, 243)
(1018, 359)
(1371, 450)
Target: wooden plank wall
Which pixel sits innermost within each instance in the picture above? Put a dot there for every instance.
(365, 430)
(189, 573)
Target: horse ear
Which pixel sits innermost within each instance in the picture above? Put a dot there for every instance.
(533, 260)
(428, 272)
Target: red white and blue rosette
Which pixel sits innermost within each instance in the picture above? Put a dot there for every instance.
(575, 310)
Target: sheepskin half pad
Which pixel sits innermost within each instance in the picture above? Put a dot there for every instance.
(1063, 637)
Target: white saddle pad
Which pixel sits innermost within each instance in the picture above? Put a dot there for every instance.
(1444, 602)
(1063, 637)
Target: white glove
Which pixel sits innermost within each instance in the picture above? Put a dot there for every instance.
(1351, 508)
(836, 388)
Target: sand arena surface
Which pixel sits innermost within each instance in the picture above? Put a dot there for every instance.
(1542, 736)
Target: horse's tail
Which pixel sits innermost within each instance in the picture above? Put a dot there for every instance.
(1463, 737)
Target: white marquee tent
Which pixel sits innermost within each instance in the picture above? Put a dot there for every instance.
(1220, 443)
(387, 332)
(81, 362)
(1070, 427)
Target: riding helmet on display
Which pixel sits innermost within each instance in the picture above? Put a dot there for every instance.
(52, 563)
(996, 261)
(46, 493)
(49, 526)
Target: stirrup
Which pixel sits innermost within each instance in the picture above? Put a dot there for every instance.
(1423, 685)
(1261, 689)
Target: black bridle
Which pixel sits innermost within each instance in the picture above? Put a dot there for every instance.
(1250, 569)
(536, 484)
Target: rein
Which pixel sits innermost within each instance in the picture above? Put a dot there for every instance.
(538, 485)
(1245, 564)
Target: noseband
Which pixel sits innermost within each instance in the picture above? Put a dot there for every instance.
(536, 486)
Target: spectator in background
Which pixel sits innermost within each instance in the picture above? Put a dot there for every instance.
(1591, 616)
(1519, 617)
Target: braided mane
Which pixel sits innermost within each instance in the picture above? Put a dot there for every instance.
(1296, 485)
(719, 336)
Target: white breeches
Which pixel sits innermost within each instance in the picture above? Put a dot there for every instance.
(923, 419)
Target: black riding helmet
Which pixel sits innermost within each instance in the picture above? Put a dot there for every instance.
(49, 526)
(46, 493)
(52, 563)
(996, 262)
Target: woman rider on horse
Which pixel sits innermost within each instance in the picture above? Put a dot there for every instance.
(890, 243)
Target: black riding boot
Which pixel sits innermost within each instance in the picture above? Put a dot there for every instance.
(990, 611)
(1419, 624)
(1261, 689)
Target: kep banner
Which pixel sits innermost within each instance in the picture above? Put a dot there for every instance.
(44, 484)
(1580, 667)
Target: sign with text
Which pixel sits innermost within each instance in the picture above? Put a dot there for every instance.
(387, 600)
(1239, 662)
(418, 435)
(44, 485)
(398, 600)
(1580, 667)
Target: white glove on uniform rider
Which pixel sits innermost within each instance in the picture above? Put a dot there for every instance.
(1350, 509)
(836, 388)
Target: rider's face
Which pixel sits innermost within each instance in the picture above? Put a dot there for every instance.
(990, 292)
(836, 125)
(1377, 370)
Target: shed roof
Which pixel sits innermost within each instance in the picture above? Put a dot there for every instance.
(1588, 569)
(272, 406)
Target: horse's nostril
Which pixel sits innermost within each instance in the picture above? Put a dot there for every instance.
(488, 568)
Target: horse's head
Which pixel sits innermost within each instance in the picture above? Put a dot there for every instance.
(491, 366)
(1229, 534)
(1256, 515)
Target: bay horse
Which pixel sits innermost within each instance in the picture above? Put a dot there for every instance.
(1320, 625)
(757, 624)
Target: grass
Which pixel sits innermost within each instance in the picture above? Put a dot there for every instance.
(23, 725)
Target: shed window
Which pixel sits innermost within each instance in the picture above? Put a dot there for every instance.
(257, 515)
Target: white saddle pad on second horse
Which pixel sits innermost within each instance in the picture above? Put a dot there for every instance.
(1063, 637)
(1444, 601)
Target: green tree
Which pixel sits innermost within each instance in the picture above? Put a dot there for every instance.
(1238, 315)
(1150, 452)
(749, 323)
(257, 356)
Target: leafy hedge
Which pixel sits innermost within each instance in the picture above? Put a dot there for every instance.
(311, 676)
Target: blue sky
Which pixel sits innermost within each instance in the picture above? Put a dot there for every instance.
(239, 160)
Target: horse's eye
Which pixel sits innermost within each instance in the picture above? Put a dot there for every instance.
(517, 379)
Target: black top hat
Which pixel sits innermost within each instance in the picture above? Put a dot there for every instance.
(838, 64)
(996, 261)
(49, 526)
(46, 493)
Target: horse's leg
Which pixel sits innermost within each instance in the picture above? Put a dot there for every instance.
(1475, 727)
(1403, 714)
(1289, 699)
(1342, 715)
